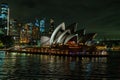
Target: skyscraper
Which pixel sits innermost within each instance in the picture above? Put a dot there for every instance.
(4, 18)
(51, 28)
(42, 25)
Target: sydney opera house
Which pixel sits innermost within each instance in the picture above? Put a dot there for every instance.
(69, 35)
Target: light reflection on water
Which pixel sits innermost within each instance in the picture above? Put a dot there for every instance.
(22, 66)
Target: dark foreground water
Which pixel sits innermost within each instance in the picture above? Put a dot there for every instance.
(21, 66)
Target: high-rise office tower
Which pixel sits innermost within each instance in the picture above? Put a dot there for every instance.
(4, 18)
(52, 27)
(42, 25)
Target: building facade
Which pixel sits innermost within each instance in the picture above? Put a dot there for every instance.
(4, 18)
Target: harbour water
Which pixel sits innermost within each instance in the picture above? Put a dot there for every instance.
(22, 66)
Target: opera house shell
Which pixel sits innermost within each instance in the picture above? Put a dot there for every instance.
(64, 35)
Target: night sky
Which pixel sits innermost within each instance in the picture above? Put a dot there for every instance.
(101, 16)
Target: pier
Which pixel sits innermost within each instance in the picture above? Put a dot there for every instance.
(60, 52)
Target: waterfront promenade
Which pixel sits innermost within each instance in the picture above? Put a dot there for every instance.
(59, 52)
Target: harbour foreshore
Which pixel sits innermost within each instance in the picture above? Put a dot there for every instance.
(59, 52)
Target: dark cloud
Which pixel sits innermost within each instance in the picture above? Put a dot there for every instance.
(28, 4)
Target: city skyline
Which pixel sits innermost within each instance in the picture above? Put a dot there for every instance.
(96, 16)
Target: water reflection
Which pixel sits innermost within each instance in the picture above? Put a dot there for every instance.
(88, 70)
(22, 66)
(72, 64)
